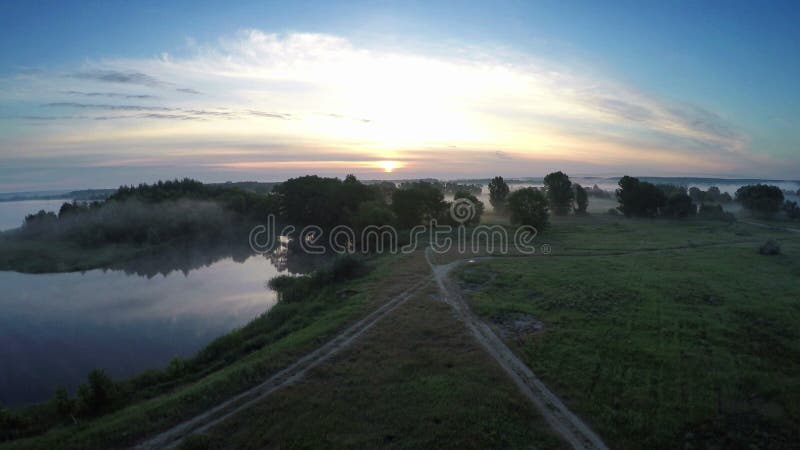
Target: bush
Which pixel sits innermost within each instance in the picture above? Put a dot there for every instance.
(64, 405)
(98, 395)
(298, 288)
(771, 247)
(715, 212)
(792, 210)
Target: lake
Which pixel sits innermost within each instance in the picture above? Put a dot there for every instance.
(55, 328)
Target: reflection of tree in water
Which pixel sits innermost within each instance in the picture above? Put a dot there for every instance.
(288, 258)
(191, 257)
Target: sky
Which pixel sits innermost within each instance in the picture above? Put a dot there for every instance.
(99, 94)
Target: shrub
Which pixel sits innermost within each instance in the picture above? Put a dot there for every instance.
(771, 247)
(792, 210)
(293, 289)
(64, 405)
(97, 396)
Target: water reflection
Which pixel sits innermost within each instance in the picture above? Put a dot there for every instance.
(54, 328)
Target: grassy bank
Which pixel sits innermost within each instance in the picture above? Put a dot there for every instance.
(697, 347)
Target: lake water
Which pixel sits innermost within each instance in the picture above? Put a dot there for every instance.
(55, 328)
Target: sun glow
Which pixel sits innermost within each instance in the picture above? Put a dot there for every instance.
(388, 166)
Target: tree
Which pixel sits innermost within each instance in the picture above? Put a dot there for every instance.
(473, 216)
(325, 202)
(792, 210)
(418, 203)
(97, 395)
(639, 198)
(528, 206)
(498, 192)
(63, 404)
(680, 205)
(559, 192)
(760, 199)
(581, 199)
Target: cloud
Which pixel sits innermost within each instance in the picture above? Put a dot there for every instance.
(174, 112)
(187, 91)
(111, 95)
(113, 76)
(108, 107)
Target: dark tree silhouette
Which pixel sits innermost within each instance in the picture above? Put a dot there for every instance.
(559, 192)
(639, 198)
(581, 199)
(498, 192)
(528, 206)
(760, 199)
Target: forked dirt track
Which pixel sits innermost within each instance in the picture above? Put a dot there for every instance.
(291, 374)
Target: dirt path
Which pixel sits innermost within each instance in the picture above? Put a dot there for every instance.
(771, 227)
(557, 415)
(173, 436)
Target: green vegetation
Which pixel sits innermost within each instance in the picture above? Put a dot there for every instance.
(528, 206)
(418, 203)
(581, 199)
(696, 347)
(559, 192)
(639, 198)
(760, 199)
(498, 192)
(476, 211)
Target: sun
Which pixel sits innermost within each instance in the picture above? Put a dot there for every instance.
(388, 166)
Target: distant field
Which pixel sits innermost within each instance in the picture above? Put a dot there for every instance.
(695, 347)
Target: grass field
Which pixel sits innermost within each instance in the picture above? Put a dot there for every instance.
(697, 347)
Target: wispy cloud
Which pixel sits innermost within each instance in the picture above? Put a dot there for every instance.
(112, 95)
(114, 76)
(107, 107)
(188, 91)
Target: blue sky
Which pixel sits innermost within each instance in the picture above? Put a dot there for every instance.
(655, 83)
